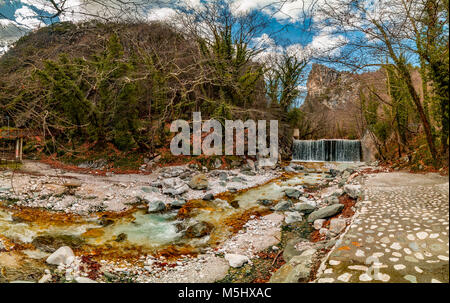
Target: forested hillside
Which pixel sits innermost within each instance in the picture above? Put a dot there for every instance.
(92, 85)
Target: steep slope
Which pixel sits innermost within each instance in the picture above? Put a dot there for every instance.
(333, 104)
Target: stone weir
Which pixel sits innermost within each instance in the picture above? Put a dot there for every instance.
(336, 150)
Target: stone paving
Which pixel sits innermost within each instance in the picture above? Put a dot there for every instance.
(399, 234)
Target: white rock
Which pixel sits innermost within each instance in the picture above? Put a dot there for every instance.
(422, 235)
(337, 225)
(318, 223)
(61, 256)
(354, 191)
(236, 260)
(293, 217)
(399, 266)
(345, 277)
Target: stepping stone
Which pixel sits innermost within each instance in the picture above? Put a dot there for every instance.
(443, 258)
(399, 266)
(359, 253)
(411, 259)
(396, 246)
(365, 278)
(411, 278)
(385, 240)
(325, 280)
(422, 235)
(383, 277)
(345, 277)
(413, 246)
(419, 256)
(334, 262)
(411, 237)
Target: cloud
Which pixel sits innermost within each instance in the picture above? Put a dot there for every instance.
(283, 11)
(5, 22)
(161, 14)
(239, 7)
(326, 43)
(27, 17)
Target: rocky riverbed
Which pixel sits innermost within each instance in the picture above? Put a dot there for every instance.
(178, 224)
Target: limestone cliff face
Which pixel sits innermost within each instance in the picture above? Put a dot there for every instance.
(332, 102)
(331, 88)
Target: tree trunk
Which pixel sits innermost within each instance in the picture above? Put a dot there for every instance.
(420, 110)
(406, 75)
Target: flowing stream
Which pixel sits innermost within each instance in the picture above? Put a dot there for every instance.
(148, 232)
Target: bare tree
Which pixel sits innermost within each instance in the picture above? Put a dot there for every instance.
(377, 32)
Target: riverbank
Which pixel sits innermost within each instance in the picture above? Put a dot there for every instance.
(178, 224)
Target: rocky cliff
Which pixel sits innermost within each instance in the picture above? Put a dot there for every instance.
(332, 102)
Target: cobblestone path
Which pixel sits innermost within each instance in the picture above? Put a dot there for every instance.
(400, 234)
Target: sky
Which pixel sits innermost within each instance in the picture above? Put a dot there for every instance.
(285, 18)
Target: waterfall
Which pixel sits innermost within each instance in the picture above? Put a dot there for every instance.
(338, 150)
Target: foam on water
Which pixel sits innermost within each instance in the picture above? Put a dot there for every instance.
(149, 229)
(338, 150)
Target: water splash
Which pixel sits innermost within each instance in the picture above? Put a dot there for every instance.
(338, 150)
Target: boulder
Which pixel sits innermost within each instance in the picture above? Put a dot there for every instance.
(149, 189)
(251, 164)
(290, 250)
(217, 163)
(176, 190)
(50, 244)
(234, 204)
(265, 202)
(337, 193)
(345, 175)
(289, 169)
(199, 229)
(292, 193)
(174, 186)
(223, 176)
(282, 205)
(325, 212)
(309, 201)
(249, 173)
(208, 197)
(337, 225)
(330, 200)
(238, 179)
(292, 217)
(156, 206)
(334, 172)
(199, 182)
(63, 255)
(172, 171)
(318, 223)
(298, 269)
(236, 260)
(324, 232)
(177, 203)
(354, 191)
(305, 208)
